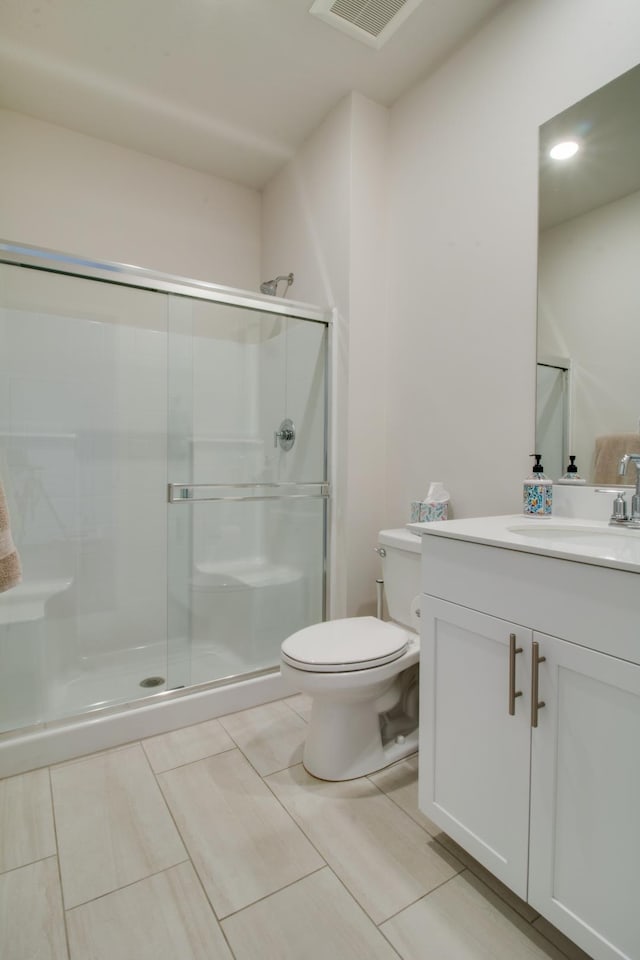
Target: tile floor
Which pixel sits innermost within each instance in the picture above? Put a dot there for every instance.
(213, 842)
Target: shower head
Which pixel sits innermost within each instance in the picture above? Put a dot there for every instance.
(270, 287)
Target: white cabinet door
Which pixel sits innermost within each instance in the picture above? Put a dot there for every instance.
(474, 755)
(585, 799)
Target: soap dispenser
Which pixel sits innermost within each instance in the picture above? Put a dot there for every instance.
(537, 492)
(571, 475)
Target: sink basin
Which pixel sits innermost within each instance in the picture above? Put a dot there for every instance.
(601, 538)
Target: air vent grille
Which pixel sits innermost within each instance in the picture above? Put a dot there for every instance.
(370, 15)
(371, 21)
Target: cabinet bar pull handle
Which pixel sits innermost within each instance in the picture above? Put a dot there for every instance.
(513, 693)
(535, 703)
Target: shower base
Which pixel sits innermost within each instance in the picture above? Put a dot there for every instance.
(46, 743)
(98, 687)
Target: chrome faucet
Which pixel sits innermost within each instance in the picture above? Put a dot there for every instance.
(634, 519)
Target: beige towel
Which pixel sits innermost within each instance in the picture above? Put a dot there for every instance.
(10, 572)
(608, 452)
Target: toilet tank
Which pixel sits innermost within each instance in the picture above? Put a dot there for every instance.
(401, 572)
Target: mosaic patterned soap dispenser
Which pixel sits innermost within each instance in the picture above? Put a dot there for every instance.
(537, 492)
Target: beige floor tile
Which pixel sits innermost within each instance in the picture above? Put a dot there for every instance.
(93, 754)
(314, 918)
(301, 703)
(526, 911)
(31, 918)
(173, 749)
(165, 917)
(385, 859)
(26, 820)
(242, 843)
(271, 736)
(464, 920)
(113, 824)
(558, 939)
(400, 783)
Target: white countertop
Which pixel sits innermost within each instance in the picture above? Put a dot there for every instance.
(584, 541)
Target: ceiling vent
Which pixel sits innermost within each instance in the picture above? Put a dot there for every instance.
(370, 21)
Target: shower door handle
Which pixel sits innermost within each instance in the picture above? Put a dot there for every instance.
(199, 492)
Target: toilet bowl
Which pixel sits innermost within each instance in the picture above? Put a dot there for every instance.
(362, 675)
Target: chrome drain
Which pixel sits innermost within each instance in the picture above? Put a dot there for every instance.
(152, 682)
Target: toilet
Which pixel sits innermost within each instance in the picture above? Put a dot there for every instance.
(362, 674)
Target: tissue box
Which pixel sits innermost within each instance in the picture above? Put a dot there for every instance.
(424, 512)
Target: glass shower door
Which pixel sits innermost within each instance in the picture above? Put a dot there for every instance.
(247, 486)
(83, 412)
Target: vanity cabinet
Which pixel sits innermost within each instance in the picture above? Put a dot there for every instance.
(553, 810)
(584, 848)
(474, 756)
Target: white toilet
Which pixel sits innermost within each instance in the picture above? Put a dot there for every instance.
(362, 674)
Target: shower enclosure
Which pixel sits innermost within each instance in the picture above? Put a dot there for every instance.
(163, 448)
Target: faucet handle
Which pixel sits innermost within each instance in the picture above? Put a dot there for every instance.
(619, 506)
(619, 511)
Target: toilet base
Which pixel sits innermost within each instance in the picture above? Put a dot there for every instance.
(361, 721)
(344, 741)
(387, 755)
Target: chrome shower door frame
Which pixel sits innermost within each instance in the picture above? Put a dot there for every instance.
(125, 275)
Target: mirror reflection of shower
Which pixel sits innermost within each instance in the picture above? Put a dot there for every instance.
(270, 287)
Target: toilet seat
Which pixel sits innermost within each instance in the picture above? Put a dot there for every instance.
(338, 646)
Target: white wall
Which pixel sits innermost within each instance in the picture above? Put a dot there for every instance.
(370, 327)
(305, 229)
(463, 234)
(448, 362)
(324, 218)
(588, 311)
(81, 195)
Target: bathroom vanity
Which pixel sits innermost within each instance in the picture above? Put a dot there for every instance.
(530, 714)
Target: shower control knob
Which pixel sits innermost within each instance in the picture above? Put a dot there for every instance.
(286, 434)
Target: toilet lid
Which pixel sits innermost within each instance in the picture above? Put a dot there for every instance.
(356, 643)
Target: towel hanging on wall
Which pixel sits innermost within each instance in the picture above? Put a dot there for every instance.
(10, 571)
(608, 452)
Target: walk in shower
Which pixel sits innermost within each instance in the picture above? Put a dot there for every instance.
(163, 449)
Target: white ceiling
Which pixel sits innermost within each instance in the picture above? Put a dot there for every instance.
(229, 87)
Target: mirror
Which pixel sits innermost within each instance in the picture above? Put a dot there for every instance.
(588, 362)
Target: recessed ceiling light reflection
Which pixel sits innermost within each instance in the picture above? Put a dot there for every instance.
(564, 150)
